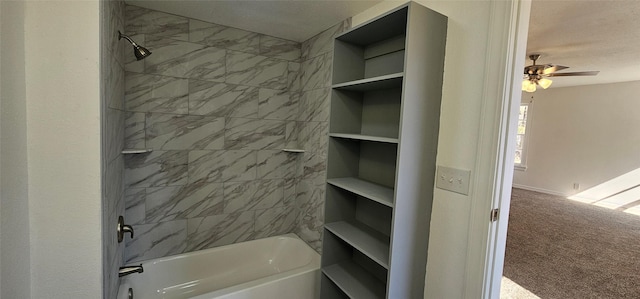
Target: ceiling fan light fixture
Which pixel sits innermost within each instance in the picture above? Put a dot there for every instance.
(528, 85)
(544, 83)
(535, 74)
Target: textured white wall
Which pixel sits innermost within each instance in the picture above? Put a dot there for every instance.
(585, 134)
(14, 215)
(467, 40)
(51, 150)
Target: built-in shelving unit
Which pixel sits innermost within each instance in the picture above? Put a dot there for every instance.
(385, 105)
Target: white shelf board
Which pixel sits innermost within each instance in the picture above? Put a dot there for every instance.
(364, 137)
(373, 247)
(354, 281)
(380, 82)
(293, 150)
(137, 151)
(375, 192)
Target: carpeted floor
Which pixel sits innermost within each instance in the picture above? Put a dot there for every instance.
(559, 248)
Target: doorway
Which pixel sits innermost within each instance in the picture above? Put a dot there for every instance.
(582, 184)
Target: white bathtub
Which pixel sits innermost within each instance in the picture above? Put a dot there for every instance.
(276, 267)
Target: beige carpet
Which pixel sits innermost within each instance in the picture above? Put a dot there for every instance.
(558, 248)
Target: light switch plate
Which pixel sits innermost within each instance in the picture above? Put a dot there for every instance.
(452, 179)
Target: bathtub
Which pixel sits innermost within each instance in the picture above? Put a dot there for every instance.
(275, 267)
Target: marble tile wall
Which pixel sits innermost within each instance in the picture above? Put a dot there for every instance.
(312, 132)
(217, 105)
(113, 123)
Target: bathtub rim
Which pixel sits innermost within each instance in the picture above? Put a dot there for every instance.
(219, 248)
(313, 265)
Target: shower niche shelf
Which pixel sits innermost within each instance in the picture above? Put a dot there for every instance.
(133, 151)
(293, 150)
(383, 137)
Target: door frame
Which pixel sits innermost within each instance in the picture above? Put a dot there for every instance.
(505, 58)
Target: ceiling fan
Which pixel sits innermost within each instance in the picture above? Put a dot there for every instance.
(536, 74)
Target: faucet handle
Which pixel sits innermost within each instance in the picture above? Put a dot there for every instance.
(123, 228)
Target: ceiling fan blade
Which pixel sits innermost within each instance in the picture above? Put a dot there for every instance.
(589, 73)
(550, 68)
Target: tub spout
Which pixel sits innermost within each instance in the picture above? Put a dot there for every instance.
(124, 271)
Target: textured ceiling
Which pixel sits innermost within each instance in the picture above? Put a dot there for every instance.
(296, 20)
(584, 35)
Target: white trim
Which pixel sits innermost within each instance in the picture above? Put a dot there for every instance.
(551, 192)
(520, 167)
(496, 147)
(506, 145)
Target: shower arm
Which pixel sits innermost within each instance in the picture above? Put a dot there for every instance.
(139, 51)
(120, 36)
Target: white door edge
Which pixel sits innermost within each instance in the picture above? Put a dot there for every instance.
(496, 147)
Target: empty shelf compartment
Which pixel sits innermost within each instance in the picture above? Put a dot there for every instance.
(355, 281)
(375, 83)
(370, 243)
(375, 192)
(364, 137)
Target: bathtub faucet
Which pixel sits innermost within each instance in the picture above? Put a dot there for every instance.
(124, 271)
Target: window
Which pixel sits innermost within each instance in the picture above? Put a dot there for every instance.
(521, 138)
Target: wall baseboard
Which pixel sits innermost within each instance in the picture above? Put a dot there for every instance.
(540, 190)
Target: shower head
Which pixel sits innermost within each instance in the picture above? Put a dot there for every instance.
(140, 51)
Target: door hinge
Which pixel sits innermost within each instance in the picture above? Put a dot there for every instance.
(494, 215)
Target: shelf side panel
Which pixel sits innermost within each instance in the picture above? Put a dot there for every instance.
(422, 92)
